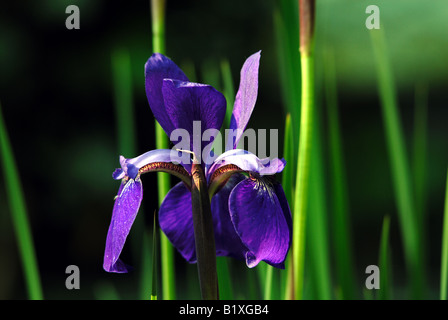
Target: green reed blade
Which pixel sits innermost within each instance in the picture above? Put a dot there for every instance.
(224, 279)
(19, 216)
(317, 241)
(307, 16)
(385, 292)
(288, 154)
(419, 156)
(444, 263)
(341, 230)
(155, 257)
(303, 169)
(146, 276)
(288, 175)
(124, 102)
(399, 166)
(163, 179)
(286, 27)
(268, 285)
(228, 90)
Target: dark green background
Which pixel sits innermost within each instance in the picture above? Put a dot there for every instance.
(57, 99)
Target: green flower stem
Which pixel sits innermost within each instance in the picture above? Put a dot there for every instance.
(19, 216)
(306, 19)
(303, 171)
(163, 179)
(158, 25)
(444, 264)
(203, 234)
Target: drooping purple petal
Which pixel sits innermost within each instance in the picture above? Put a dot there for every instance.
(176, 221)
(246, 97)
(260, 222)
(227, 241)
(125, 210)
(157, 68)
(187, 102)
(285, 207)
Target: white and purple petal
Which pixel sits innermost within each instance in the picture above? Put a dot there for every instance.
(258, 216)
(247, 161)
(125, 210)
(130, 167)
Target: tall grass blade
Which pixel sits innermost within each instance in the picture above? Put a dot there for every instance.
(163, 179)
(303, 169)
(268, 286)
(289, 156)
(124, 102)
(419, 156)
(399, 166)
(228, 90)
(286, 27)
(288, 183)
(19, 216)
(224, 279)
(385, 292)
(341, 230)
(444, 264)
(155, 257)
(307, 17)
(317, 222)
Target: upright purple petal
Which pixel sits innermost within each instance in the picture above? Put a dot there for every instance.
(157, 68)
(176, 221)
(245, 97)
(260, 222)
(227, 241)
(125, 210)
(187, 102)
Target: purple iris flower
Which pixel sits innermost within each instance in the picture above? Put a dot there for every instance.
(251, 216)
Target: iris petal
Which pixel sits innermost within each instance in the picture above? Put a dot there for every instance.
(247, 161)
(227, 241)
(176, 221)
(125, 210)
(153, 156)
(246, 97)
(157, 68)
(260, 222)
(187, 102)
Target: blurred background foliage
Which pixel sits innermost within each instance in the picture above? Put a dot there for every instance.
(56, 90)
